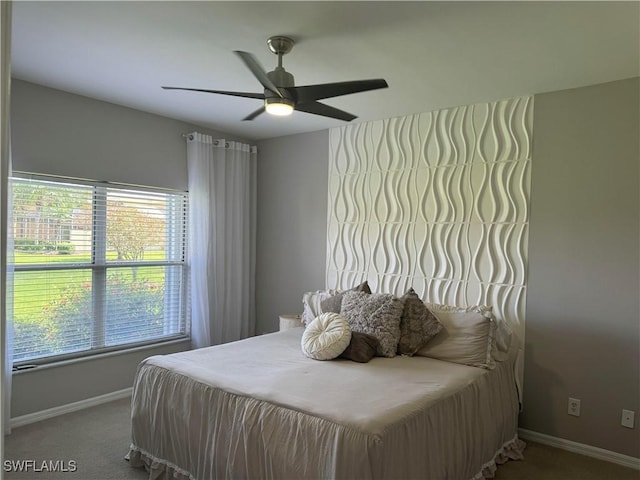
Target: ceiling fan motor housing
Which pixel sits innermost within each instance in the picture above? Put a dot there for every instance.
(282, 79)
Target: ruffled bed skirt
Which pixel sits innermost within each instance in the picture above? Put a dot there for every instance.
(512, 450)
(162, 470)
(158, 469)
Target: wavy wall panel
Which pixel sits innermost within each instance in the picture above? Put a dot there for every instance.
(437, 201)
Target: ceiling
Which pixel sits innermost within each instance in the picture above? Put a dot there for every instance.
(432, 54)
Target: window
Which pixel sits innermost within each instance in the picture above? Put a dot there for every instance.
(97, 267)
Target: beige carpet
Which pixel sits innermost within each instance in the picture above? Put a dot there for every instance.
(98, 438)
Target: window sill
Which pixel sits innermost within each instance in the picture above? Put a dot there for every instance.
(86, 358)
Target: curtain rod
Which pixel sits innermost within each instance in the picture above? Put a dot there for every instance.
(190, 137)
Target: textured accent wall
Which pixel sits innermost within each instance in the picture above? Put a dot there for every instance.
(437, 201)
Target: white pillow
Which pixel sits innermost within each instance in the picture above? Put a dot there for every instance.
(468, 336)
(326, 337)
(311, 304)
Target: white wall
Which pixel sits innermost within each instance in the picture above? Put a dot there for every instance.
(437, 202)
(59, 133)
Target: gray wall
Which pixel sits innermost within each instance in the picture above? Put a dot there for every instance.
(292, 224)
(583, 320)
(64, 134)
(60, 133)
(60, 384)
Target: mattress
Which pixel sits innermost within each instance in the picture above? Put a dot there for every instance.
(259, 408)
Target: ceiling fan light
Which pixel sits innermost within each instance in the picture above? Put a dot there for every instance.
(279, 106)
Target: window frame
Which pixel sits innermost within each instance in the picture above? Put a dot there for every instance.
(99, 267)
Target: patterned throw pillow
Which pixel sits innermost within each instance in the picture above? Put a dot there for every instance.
(377, 314)
(417, 324)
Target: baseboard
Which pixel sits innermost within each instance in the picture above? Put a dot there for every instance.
(70, 407)
(581, 448)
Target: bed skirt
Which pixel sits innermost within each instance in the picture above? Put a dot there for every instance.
(268, 412)
(162, 470)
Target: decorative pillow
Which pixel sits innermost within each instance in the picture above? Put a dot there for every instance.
(326, 337)
(467, 337)
(417, 324)
(334, 303)
(362, 347)
(377, 314)
(311, 304)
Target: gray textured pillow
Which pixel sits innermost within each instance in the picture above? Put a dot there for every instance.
(377, 314)
(334, 303)
(417, 324)
(361, 348)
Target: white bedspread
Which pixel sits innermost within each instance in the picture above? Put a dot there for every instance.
(259, 408)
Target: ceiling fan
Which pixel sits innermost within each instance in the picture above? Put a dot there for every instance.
(281, 97)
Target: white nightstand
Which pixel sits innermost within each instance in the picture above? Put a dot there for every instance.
(290, 321)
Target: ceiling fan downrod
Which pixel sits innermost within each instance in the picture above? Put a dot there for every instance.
(280, 46)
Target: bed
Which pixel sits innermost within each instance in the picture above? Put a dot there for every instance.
(258, 408)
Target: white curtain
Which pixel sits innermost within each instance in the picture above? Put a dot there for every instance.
(5, 166)
(222, 219)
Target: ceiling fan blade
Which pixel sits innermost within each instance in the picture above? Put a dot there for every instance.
(257, 70)
(318, 108)
(311, 93)
(221, 92)
(253, 115)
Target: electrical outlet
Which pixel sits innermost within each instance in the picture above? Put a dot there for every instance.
(574, 407)
(627, 418)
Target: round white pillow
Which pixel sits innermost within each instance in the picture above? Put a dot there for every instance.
(326, 337)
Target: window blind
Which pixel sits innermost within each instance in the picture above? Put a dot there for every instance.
(96, 267)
